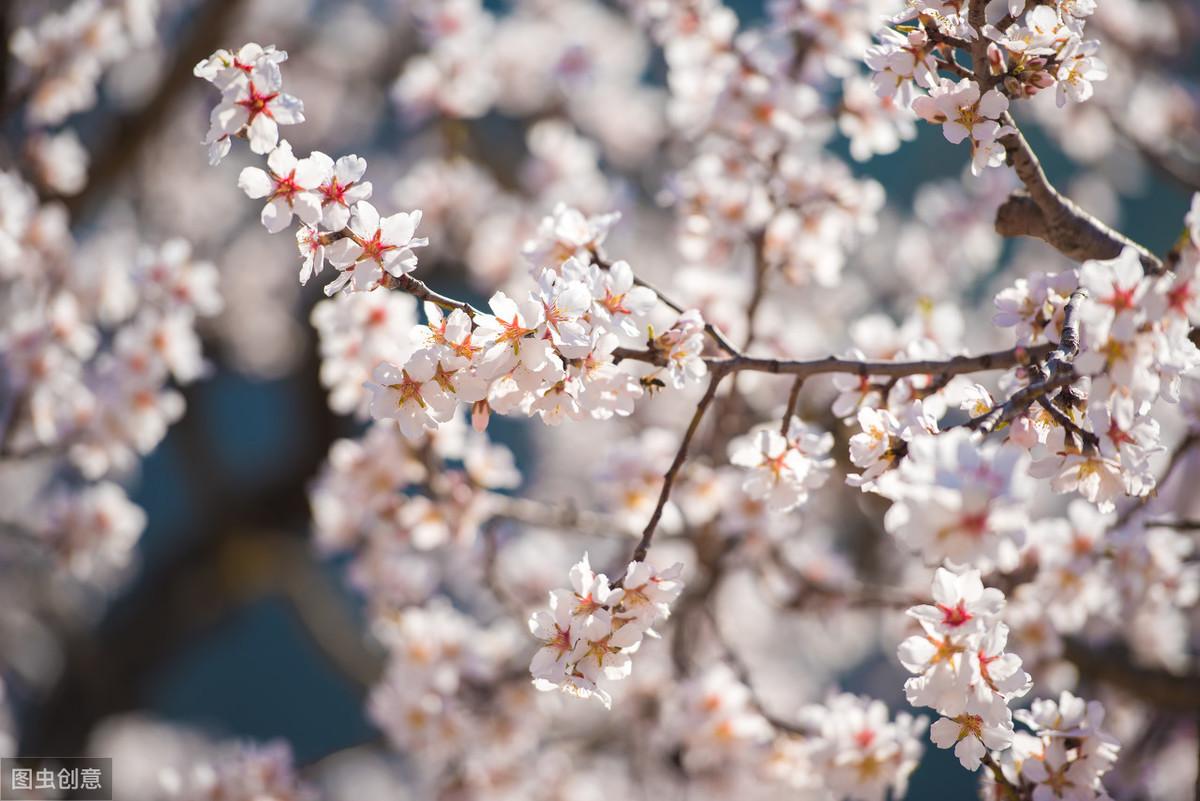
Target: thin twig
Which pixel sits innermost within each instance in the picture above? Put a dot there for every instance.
(717, 334)
(559, 516)
(1177, 456)
(793, 399)
(1010, 791)
(643, 546)
(421, 291)
(955, 365)
(1176, 525)
(1058, 372)
(1114, 665)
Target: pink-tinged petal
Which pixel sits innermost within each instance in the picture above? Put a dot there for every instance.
(350, 169)
(254, 182)
(263, 134)
(399, 262)
(343, 253)
(228, 118)
(282, 160)
(310, 173)
(993, 104)
(358, 192)
(322, 161)
(287, 110)
(945, 587)
(335, 216)
(398, 229)
(365, 220)
(925, 108)
(955, 132)
(308, 208)
(276, 215)
(218, 150)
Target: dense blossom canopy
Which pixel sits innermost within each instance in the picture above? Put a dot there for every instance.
(775, 433)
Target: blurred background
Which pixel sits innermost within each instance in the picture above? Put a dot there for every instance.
(230, 622)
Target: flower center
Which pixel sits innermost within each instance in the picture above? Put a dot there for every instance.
(257, 103)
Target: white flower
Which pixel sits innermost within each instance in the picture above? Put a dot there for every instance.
(288, 187)
(963, 605)
(224, 69)
(620, 305)
(1115, 287)
(971, 736)
(340, 188)
(958, 500)
(591, 630)
(783, 469)
(510, 333)
(411, 396)
(379, 245)
(311, 245)
(1078, 68)
(682, 345)
(554, 629)
(963, 113)
(257, 107)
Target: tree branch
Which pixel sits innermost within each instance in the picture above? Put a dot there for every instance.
(643, 546)
(1041, 211)
(1114, 666)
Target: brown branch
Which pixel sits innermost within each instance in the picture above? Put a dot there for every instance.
(1176, 525)
(955, 365)
(1114, 666)
(1041, 211)
(977, 17)
(421, 291)
(643, 546)
(793, 399)
(759, 291)
(1058, 372)
(558, 516)
(1177, 455)
(1010, 792)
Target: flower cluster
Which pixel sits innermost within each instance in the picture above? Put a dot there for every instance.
(959, 501)
(716, 724)
(253, 104)
(1066, 755)
(1134, 344)
(93, 341)
(965, 114)
(589, 631)
(1041, 46)
(755, 171)
(549, 354)
(376, 497)
(573, 58)
(1133, 582)
(357, 332)
(240, 773)
(436, 654)
(64, 53)
(961, 668)
(861, 753)
(783, 467)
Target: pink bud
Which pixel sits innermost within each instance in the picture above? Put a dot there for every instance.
(996, 61)
(481, 413)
